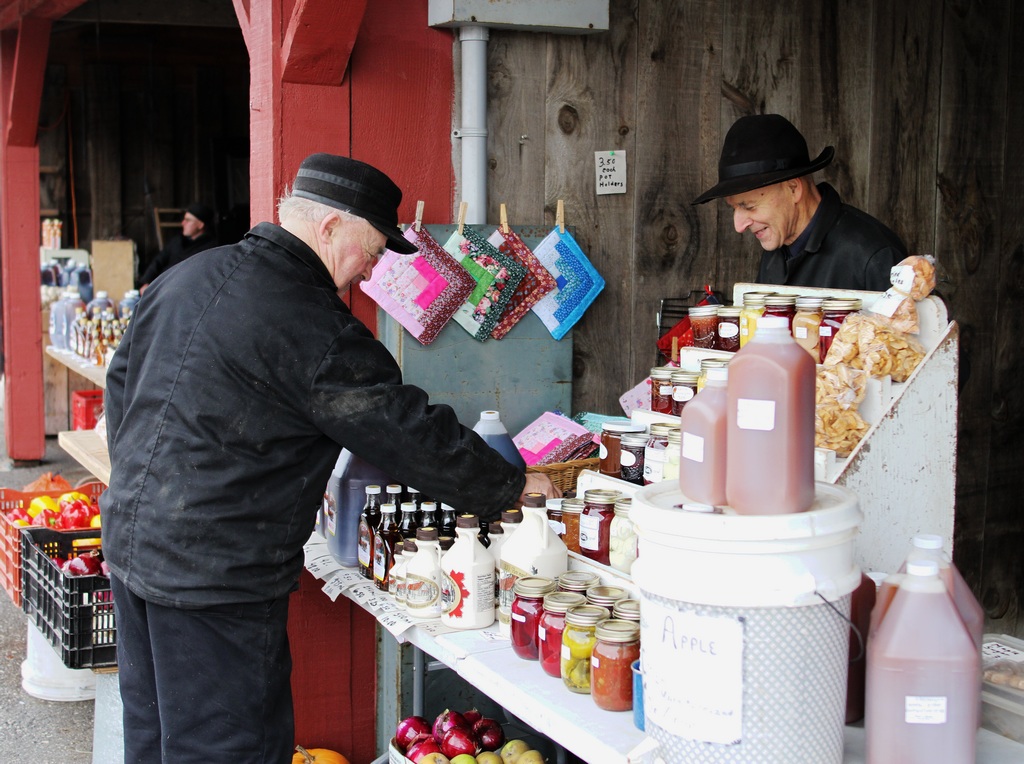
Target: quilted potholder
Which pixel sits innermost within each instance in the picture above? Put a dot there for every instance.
(496, 275)
(421, 291)
(577, 282)
(535, 284)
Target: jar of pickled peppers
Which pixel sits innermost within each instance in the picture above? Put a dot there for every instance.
(753, 308)
(578, 638)
(611, 675)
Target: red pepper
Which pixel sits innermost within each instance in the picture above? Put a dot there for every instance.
(74, 514)
(46, 518)
(19, 514)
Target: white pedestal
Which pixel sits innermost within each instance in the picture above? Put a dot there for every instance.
(44, 675)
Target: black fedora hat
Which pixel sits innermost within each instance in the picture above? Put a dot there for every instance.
(760, 150)
(356, 187)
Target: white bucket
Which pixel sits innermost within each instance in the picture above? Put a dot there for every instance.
(44, 675)
(744, 638)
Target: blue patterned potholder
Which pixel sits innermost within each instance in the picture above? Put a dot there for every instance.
(577, 282)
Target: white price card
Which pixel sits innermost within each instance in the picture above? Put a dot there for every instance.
(349, 577)
(396, 623)
(334, 587)
(322, 566)
(610, 169)
(361, 592)
(434, 628)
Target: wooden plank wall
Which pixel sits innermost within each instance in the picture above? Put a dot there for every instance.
(920, 99)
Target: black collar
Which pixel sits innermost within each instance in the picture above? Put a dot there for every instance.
(294, 246)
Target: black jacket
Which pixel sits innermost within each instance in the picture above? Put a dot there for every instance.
(241, 376)
(848, 249)
(178, 249)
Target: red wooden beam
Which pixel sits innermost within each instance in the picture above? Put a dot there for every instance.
(24, 89)
(13, 11)
(309, 53)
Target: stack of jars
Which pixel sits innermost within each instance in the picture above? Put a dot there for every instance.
(590, 640)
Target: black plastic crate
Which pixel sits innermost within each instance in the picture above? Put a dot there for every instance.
(75, 613)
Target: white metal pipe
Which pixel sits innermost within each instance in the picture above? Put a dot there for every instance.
(473, 131)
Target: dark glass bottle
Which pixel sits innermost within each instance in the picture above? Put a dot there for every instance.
(385, 539)
(408, 522)
(448, 520)
(394, 496)
(369, 519)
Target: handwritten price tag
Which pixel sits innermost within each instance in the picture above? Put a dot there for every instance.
(610, 169)
(333, 588)
(349, 577)
(362, 592)
(322, 566)
(396, 623)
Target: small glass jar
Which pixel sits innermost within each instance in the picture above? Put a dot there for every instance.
(728, 335)
(631, 457)
(549, 629)
(806, 323)
(709, 363)
(704, 325)
(684, 387)
(627, 610)
(611, 673)
(622, 537)
(578, 639)
(655, 452)
(578, 581)
(572, 508)
(596, 522)
(675, 439)
(611, 435)
(606, 596)
(753, 308)
(834, 312)
(782, 305)
(527, 605)
(661, 389)
(554, 509)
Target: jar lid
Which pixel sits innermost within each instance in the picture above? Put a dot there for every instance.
(606, 595)
(703, 310)
(408, 506)
(707, 363)
(560, 602)
(617, 630)
(634, 439)
(729, 311)
(809, 303)
(675, 435)
(388, 508)
(623, 505)
(601, 496)
(685, 378)
(841, 303)
(622, 427)
(626, 610)
(467, 521)
(512, 516)
(373, 489)
(661, 428)
(572, 506)
(754, 299)
(662, 372)
(578, 580)
(780, 299)
(394, 488)
(585, 615)
(534, 500)
(533, 586)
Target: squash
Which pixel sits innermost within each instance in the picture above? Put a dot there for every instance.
(317, 756)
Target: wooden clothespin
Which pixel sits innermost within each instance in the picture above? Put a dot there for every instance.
(463, 207)
(504, 219)
(419, 216)
(560, 216)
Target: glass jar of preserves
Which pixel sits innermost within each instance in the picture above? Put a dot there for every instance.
(611, 435)
(596, 522)
(554, 510)
(753, 307)
(728, 335)
(622, 537)
(834, 312)
(655, 452)
(527, 605)
(709, 363)
(631, 457)
(704, 325)
(671, 470)
(549, 630)
(606, 596)
(684, 387)
(806, 323)
(611, 675)
(578, 581)
(627, 610)
(661, 389)
(783, 305)
(572, 508)
(578, 639)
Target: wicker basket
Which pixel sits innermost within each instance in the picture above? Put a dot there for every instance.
(564, 474)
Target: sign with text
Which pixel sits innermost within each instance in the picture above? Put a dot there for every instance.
(610, 167)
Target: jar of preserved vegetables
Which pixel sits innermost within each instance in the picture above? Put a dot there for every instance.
(728, 335)
(753, 308)
(834, 312)
(549, 631)
(611, 675)
(527, 605)
(578, 639)
(596, 522)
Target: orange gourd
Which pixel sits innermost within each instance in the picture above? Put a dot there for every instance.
(317, 756)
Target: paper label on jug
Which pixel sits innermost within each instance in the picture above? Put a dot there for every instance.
(924, 709)
(754, 414)
(693, 673)
(693, 447)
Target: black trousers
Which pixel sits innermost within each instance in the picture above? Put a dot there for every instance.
(212, 684)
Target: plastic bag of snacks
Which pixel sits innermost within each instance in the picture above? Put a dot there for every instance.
(870, 342)
(912, 279)
(837, 423)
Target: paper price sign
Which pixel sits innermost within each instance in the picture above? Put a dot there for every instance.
(610, 169)
(322, 566)
(349, 577)
(396, 623)
(362, 592)
(334, 587)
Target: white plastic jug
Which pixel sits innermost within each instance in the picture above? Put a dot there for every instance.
(423, 578)
(467, 588)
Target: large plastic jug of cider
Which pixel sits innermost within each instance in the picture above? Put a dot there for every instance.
(924, 677)
(770, 423)
(927, 546)
(702, 457)
(344, 499)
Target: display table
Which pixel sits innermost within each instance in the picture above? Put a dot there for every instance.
(89, 450)
(95, 374)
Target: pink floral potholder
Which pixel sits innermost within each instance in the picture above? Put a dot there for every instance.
(496, 275)
(421, 291)
(535, 284)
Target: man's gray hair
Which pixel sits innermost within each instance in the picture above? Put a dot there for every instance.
(291, 207)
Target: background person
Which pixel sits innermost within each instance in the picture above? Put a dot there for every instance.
(809, 237)
(197, 234)
(221, 443)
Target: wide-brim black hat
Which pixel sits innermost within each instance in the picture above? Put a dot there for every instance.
(760, 150)
(356, 187)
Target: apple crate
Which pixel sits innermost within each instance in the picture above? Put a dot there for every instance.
(10, 538)
(74, 613)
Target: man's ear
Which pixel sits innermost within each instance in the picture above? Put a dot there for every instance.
(328, 225)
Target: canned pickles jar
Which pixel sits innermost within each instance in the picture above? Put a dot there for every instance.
(753, 308)
(578, 639)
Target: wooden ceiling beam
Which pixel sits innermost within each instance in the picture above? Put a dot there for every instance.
(309, 54)
(26, 82)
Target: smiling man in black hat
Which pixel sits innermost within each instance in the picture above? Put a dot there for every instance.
(809, 237)
(240, 378)
(198, 233)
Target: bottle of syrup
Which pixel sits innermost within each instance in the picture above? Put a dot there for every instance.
(384, 540)
(369, 519)
(408, 522)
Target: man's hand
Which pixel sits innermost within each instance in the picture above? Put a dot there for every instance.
(537, 482)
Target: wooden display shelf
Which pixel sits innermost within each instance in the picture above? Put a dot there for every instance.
(95, 374)
(88, 449)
